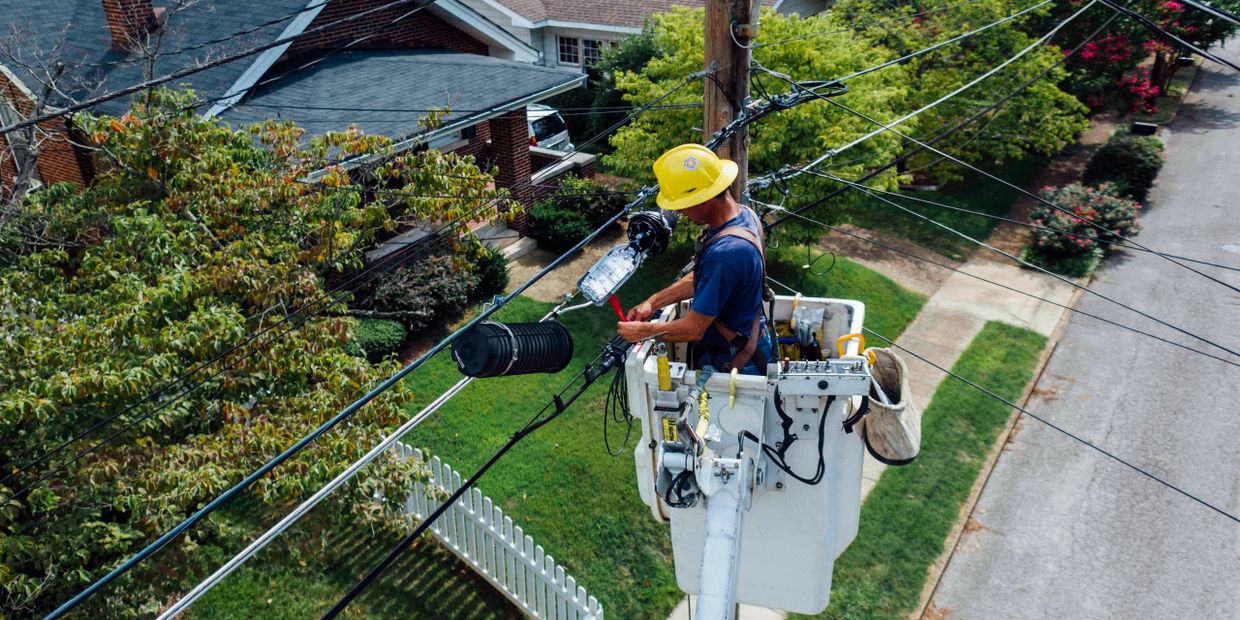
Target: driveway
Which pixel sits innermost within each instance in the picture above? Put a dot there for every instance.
(1065, 533)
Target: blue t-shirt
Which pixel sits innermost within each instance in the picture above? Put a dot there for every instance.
(728, 281)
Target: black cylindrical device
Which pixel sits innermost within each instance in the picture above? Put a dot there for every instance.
(492, 349)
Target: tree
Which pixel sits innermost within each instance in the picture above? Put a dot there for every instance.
(193, 236)
(1042, 120)
(787, 137)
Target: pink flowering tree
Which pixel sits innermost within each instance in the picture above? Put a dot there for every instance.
(1071, 237)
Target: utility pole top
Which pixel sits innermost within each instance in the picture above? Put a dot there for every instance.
(730, 26)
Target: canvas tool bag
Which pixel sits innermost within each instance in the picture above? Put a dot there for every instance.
(892, 432)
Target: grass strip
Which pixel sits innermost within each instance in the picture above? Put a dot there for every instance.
(908, 516)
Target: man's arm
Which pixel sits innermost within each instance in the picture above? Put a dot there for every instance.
(679, 291)
(687, 329)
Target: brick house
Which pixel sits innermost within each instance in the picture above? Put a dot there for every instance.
(574, 33)
(442, 54)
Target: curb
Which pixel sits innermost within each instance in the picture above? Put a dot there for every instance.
(952, 543)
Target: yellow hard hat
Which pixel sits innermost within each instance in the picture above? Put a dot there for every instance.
(691, 174)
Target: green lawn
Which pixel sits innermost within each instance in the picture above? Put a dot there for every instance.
(910, 513)
(975, 193)
(559, 484)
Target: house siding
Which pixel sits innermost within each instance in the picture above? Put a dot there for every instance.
(420, 30)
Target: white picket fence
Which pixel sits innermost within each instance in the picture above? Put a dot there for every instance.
(478, 532)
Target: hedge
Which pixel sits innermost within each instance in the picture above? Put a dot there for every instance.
(1130, 162)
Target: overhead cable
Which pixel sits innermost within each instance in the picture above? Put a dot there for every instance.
(888, 127)
(865, 190)
(1162, 32)
(383, 386)
(187, 71)
(942, 44)
(942, 265)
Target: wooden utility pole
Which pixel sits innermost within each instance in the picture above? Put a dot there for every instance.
(730, 26)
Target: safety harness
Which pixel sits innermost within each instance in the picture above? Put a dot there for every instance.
(746, 347)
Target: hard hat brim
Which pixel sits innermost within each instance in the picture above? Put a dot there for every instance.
(727, 174)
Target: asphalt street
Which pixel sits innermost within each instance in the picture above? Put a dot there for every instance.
(1066, 533)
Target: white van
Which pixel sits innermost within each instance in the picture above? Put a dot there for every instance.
(547, 129)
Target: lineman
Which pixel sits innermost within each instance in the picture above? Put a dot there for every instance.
(728, 279)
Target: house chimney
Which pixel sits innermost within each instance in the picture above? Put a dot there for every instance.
(129, 21)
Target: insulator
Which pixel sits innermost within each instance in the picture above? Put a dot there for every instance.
(492, 349)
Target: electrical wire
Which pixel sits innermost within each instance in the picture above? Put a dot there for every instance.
(1215, 12)
(616, 410)
(1063, 431)
(887, 127)
(187, 71)
(902, 18)
(930, 261)
(383, 386)
(1116, 242)
(942, 44)
(612, 356)
(775, 178)
(1160, 31)
(865, 190)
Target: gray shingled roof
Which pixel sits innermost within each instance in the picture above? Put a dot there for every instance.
(383, 92)
(77, 33)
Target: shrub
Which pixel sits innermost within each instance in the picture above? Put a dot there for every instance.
(1130, 162)
(425, 290)
(572, 211)
(377, 338)
(491, 269)
(1077, 249)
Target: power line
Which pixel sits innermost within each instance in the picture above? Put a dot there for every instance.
(1013, 289)
(1219, 13)
(383, 386)
(1100, 227)
(612, 356)
(941, 44)
(775, 177)
(1032, 226)
(1158, 30)
(1064, 431)
(187, 71)
(866, 190)
(902, 18)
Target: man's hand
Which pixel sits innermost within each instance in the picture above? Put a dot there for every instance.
(640, 312)
(632, 331)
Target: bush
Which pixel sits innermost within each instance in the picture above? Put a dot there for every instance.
(377, 338)
(425, 290)
(572, 211)
(1130, 162)
(491, 269)
(1077, 249)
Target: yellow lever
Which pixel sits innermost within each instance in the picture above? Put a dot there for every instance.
(843, 340)
(732, 389)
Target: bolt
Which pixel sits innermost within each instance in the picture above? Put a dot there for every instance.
(822, 384)
(652, 444)
(805, 427)
(779, 485)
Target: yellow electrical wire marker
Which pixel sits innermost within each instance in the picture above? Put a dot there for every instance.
(732, 389)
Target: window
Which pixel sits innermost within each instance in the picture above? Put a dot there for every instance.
(569, 53)
(591, 51)
(17, 141)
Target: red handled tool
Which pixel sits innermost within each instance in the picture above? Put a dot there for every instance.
(615, 305)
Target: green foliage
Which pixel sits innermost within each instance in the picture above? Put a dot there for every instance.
(428, 289)
(1078, 249)
(490, 267)
(572, 212)
(912, 509)
(192, 236)
(557, 229)
(1041, 121)
(1130, 162)
(378, 338)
